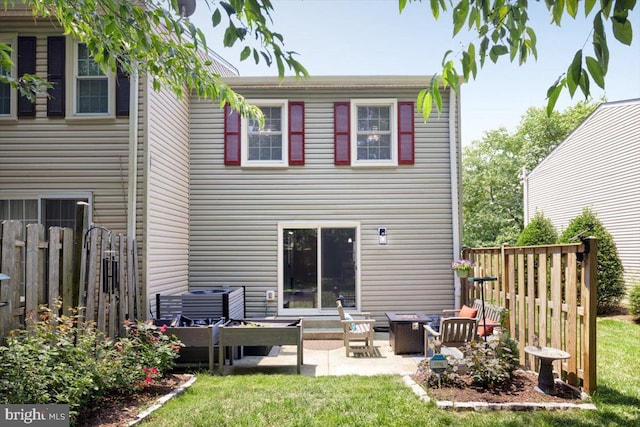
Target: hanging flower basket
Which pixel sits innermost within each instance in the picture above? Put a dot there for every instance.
(462, 273)
(462, 267)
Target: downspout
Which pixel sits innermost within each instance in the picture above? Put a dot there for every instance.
(454, 156)
(133, 154)
(525, 195)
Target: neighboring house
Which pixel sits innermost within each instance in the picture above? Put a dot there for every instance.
(298, 208)
(75, 145)
(346, 193)
(596, 166)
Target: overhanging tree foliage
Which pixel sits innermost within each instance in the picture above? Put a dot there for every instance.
(134, 34)
(502, 28)
(150, 36)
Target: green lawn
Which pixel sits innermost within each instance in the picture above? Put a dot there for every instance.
(290, 400)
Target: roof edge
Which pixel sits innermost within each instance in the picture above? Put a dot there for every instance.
(319, 82)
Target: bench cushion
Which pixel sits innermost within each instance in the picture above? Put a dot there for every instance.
(466, 311)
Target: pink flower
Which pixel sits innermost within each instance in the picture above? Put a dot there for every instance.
(163, 328)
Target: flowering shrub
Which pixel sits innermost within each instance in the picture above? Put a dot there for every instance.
(486, 365)
(462, 265)
(59, 360)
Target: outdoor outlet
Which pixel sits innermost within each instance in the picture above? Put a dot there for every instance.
(271, 296)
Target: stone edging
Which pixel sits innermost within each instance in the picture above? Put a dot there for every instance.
(485, 406)
(162, 400)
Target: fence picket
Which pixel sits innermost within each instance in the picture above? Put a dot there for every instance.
(54, 266)
(68, 288)
(34, 273)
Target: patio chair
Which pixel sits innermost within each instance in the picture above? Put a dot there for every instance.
(358, 333)
(454, 332)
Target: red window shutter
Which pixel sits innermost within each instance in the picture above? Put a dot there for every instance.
(341, 133)
(55, 76)
(296, 133)
(26, 64)
(231, 136)
(405, 134)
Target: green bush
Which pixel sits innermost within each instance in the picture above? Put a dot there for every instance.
(539, 231)
(489, 365)
(59, 360)
(610, 274)
(634, 300)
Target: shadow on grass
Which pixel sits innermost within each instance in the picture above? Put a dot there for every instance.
(614, 409)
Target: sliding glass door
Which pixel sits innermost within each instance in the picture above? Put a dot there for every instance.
(318, 265)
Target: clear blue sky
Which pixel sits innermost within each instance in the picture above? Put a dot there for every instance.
(358, 37)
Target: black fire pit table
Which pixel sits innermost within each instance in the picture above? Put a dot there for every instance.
(406, 334)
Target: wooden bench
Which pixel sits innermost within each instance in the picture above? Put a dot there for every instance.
(492, 313)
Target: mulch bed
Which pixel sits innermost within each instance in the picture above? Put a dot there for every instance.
(521, 390)
(116, 411)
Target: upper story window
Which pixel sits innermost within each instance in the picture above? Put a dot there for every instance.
(374, 139)
(266, 145)
(7, 93)
(91, 90)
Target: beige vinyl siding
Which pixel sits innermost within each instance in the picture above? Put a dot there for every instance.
(167, 204)
(596, 167)
(235, 211)
(54, 157)
(42, 156)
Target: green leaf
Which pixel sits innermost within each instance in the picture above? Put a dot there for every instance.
(256, 56)
(574, 72)
(622, 30)
(230, 36)
(584, 83)
(572, 7)
(460, 13)
(496, 51)
(401, 5)
(435, 9)
(228, 8)
(596, 72)
(552, 96)
(245, 53)
(588, 6)
(557, 11)
(216, 18)
(424, 103)
(605, 7)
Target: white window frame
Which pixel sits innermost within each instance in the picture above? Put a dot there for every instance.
(392, 103)
(317, 225)
(72, 86)
(244, 138)
(12, 40)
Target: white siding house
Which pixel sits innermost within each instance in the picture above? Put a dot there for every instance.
(305, 223)
(596, 166)
(59, 151)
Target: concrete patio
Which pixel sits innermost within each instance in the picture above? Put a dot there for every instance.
(328, 357)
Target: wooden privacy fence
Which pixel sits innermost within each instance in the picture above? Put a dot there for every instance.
(551, 295)
(95, 272)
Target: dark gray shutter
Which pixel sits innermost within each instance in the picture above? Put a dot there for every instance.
(26, 65)
(56, 75)
(123, 92)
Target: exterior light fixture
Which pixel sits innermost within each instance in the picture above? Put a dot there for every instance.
(382, 235)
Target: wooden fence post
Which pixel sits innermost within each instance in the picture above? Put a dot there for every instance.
(589, 293)
(10, 310)
(54, 268)
(69, 282)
